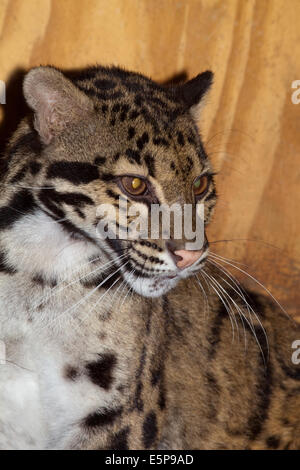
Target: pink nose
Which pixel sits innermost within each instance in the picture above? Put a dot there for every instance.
(188, 257)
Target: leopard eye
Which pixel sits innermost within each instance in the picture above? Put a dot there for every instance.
(134, 185)
(200, 185)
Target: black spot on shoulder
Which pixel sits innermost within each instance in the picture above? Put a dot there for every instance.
(273, 442)
(102, 417)
(119, 441)
(172, 166)
(22, 203)
(75, 172)
(149, 429)
(101, 371)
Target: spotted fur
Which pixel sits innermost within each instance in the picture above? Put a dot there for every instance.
(108, 345)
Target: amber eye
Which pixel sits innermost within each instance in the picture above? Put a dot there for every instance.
(134, 185)
(200, 185)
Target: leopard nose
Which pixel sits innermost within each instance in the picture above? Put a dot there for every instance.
(188, 257)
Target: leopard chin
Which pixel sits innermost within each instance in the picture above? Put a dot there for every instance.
(155, 286)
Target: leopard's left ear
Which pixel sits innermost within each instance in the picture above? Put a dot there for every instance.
(193, 91)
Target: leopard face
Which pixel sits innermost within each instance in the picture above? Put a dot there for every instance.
(109, 137)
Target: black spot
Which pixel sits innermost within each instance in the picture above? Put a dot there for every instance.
(105, 84)
(150, 162)
(71, 373)
(35, 167)
(4, 267)
(131, 133)
(119, 441)
(180, 138)
(102, 417)
(104, 108)
(149, 429)
(99, 160)
(160, 141)
(124, 111)
(172, 166)
(22, 203)
(116, 108)
(134, 114)
(133, 155)
(75, 172)
(273, 442)
(144, 139)
(138, 100)
(41, 281)
(116, 157)
(101, 372)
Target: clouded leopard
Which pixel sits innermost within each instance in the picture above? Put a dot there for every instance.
(127, 344)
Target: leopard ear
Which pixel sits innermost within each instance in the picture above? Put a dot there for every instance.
(55, 100)
(193, 91)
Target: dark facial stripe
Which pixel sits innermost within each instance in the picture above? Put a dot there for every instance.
(51, 199)
(34, 167)
(21, 204)
(19, 175)
(101, 372)
(75, 172)
(103, 417)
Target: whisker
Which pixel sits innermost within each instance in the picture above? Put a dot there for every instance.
(225, 305)
(242, 296)
(251, 326)
(261, 285)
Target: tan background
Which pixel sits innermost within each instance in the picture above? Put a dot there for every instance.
(250, 125)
